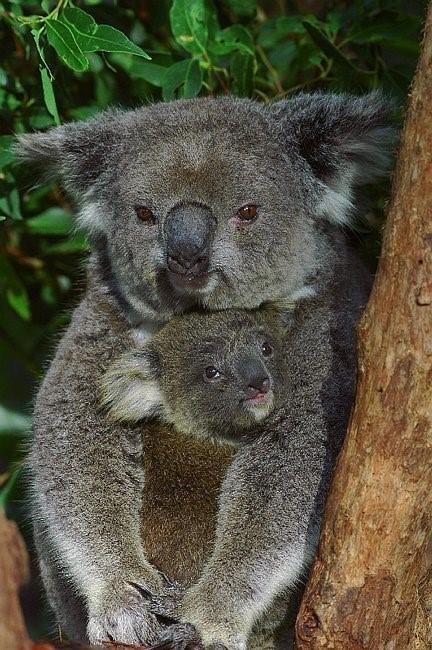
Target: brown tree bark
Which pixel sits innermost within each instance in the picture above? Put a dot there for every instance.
(13, 573)
(369, 582)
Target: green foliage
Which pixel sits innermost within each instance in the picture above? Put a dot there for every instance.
(66, 60)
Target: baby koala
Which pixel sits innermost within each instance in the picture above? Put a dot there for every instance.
(215, 375)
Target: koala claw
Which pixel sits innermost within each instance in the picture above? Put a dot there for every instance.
(124, 618)
(183, 636)
(164, 606)
(180, 636)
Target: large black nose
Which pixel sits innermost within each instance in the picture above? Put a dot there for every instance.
(255, 377)
(189, 229)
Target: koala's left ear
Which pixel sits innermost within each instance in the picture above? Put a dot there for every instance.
(346, 141)
(76, 154)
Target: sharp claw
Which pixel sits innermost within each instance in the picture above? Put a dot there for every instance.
(165, 619)
(142, 590)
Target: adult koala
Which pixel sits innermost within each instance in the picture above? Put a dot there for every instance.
(212, 204)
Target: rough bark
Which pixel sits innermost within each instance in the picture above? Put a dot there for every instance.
(13, 573)
(369, 584)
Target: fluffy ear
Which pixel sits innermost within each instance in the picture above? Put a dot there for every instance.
(77, 153)
(346, 141)
(129, 388)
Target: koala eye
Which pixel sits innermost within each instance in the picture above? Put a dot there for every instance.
(212, 374)
(266, 349)
(247, 213)
(145, 214)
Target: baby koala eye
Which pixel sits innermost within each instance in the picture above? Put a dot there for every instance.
(266, 349)
(212, 374)
(145, 214)
(247, 213)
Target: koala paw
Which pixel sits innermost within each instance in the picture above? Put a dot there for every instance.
(125, 617)
(183, 636)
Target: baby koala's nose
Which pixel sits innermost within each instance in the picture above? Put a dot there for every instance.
(254, 376)
(258, 385)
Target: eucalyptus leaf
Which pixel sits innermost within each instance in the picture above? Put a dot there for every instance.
(6, 156)
(325, 44)
(192, 21)
(106, 39)
(193, 80)
(63, 40)
(175, 77)
(53, 221)
(231, 39)
(242, 70)
(48, 94)
(14, 290)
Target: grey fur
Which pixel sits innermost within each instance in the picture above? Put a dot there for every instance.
(299, 161)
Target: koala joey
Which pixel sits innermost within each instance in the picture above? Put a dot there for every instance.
(216, 375)
(207, 205)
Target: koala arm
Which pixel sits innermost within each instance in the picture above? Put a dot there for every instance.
(130, 390)
(274, 492)
(87, 478)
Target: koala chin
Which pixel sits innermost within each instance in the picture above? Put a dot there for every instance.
(204, 205)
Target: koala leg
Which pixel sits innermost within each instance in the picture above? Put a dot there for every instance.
(68, 607)
(87, 481)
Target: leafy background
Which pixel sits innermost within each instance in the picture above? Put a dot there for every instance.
(66, 61)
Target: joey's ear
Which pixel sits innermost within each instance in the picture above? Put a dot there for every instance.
(346, 141)
(77, 154)
(129, 388)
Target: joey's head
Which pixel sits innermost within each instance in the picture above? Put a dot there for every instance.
(215, 375)
(217, 202)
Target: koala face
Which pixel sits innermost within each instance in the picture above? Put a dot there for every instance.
(226, 374)
(210, 374)
(214, 202)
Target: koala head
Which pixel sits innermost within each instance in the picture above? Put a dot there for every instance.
(215, 202)
(215, 375)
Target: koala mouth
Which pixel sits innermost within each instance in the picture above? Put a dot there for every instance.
(259, 406)
(185, 283)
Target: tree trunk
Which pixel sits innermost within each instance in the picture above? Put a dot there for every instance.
(369, 581)
(13, 573)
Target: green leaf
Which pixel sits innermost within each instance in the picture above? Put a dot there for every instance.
(53, 221)
(192, 21)
(10, 201)
(13, 422)
(324, 43)
(242, 67)
(48, 94)
(14, 290)
(62, 39)
(274, 30)
(151, 72)
(243, 7)
(175, 77)
(76, 244)
(6, 156)
(7, 489)
(193, 80)
(92, 37)
(233, 38)
(82, 21)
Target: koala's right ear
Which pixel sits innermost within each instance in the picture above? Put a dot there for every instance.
(77, 153)
(129, 388)
(346, 141)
